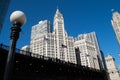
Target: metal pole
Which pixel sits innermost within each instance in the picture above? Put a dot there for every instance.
(10, 58)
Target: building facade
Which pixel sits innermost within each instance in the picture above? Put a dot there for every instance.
(116, 25)
(44, 45)
(56, 44)
(4, 4)
(112, 68)
(93, 37)
(43, 27)
(88, 52)
(64, 43)
(38, 34)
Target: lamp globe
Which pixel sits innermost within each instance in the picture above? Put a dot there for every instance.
(18, 17)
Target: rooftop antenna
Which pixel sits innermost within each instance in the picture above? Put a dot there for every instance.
(57, 9)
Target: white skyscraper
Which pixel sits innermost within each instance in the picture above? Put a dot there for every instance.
(111, 68)
(59, 32)
(64, 44)
(38, 35)
(42, 27)
(116, 25)
(57, 44)
(88, 52)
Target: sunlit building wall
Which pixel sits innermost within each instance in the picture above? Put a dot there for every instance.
(44, 45)
(64, 44)
(88, 52)
(43, 27)
(39, 32)
(93, 37)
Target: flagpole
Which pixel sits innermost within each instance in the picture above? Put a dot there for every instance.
(43, 46)
(94, 62)
(62, 53)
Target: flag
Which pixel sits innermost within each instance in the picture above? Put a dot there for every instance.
(64, 46)
(46, 39)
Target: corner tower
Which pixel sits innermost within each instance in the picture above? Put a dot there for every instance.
(60, 35)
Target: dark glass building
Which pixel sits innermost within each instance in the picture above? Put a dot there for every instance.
(4, 4)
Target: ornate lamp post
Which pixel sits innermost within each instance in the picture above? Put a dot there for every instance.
(18, 19)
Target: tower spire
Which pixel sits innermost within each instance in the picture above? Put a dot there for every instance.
(57, 7)
(57, 10)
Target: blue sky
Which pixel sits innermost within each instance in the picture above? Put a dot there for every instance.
(80, 16)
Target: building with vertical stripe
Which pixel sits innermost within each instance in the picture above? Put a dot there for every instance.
(4, 4)
(116, 25)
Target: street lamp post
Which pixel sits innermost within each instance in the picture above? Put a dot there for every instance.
(18, 19)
